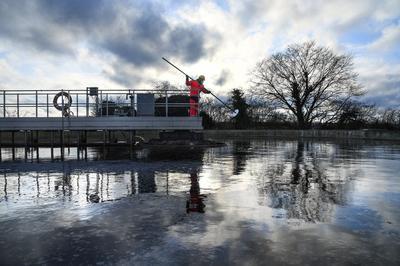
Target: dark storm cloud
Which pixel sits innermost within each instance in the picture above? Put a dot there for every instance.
(149, 37)
(78, 12)
(22, 26)
(136, 33)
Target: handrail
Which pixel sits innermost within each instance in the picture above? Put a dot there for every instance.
(38, 102)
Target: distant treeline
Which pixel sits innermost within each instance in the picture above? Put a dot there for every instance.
(256, 114)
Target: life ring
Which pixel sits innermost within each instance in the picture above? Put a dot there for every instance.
(67, 104)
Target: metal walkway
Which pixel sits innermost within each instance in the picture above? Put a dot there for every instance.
(93, 109)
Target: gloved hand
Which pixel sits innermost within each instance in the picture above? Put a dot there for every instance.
(207, 91)
(187, 78)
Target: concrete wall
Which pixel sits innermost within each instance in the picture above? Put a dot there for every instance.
(328, 134)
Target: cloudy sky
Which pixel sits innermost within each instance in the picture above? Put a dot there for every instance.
(58, 44)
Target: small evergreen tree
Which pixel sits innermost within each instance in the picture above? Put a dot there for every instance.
(242, 120)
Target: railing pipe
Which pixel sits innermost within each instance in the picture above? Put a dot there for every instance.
(77, 104)
(107, 104)
(17, 105)
(166, 103)
(4, 103)
(47, 105)
(101, 103)
(87, 101)
(36, 103)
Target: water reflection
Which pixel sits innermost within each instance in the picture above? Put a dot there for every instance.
(240, 153)
(286, 202)
(195, 201)
(300, 184)
(82, 182)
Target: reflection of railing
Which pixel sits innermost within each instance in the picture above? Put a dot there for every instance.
(87, 102)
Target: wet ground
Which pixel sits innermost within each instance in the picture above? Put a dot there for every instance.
(249, 203)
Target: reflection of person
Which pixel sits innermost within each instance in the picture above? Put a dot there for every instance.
(196, 86)
(195, 201)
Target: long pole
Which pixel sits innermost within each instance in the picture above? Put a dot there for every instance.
(227, 106)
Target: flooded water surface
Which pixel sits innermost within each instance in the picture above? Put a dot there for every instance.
(250, 202)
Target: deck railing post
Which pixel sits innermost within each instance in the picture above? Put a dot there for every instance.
(47, 104)
(4, 103)
(36, 103)
(70, 104)
(107, 104)
(132, 97)
(101, 103)
(166, 103)
(17, 104)
(77, 104)
(87, 101)
(62, 123)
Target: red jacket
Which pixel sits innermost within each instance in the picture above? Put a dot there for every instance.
(195, 88)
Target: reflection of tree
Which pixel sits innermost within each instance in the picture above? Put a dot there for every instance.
(301, 186)
(195, 200)
(240, 153)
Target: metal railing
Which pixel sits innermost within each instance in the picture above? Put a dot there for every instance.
(89, 102)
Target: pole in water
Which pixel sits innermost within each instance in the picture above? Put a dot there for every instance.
(234, 112)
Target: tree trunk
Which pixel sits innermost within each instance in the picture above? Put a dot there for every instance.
(300, 121)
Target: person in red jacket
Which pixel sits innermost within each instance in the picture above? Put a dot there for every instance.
(196, 86)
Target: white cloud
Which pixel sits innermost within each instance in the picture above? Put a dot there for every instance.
(235, 40)
(390, 39)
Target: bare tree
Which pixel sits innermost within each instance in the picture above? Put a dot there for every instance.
(305, 79)
(215, 110)
(162, 87)
(352, 113)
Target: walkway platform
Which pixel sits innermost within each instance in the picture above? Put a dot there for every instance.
(93, 109)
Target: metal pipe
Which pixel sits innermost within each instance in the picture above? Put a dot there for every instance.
(107, 104)
(70, 104)
(62, 123)
(166, 103)
(17, 105)
(4, 103)
(36, 103)
(101, 103)
(87, 101)
(47, 104)
(77, 105)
